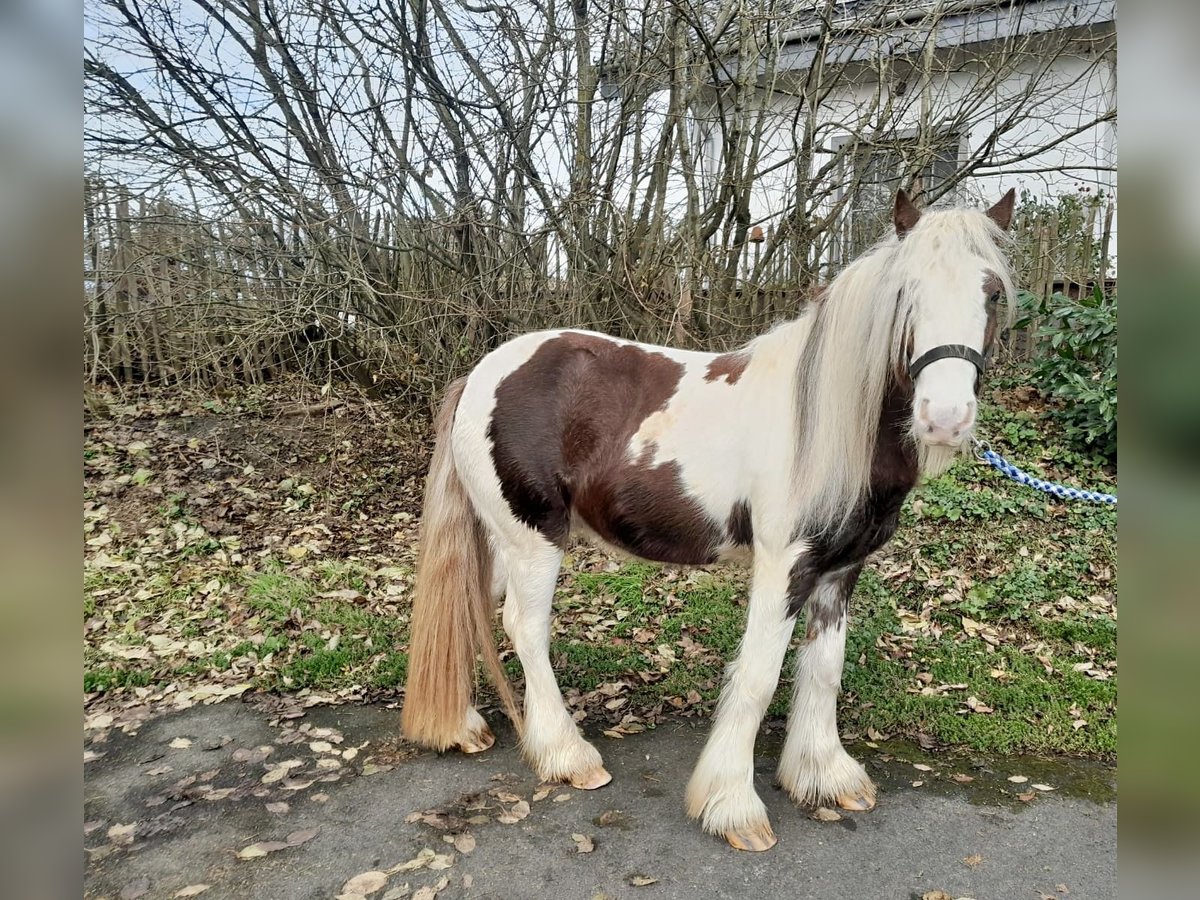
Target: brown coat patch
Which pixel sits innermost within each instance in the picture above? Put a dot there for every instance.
(729, 366)
(893, 475)
(739, 525)
(560, 433)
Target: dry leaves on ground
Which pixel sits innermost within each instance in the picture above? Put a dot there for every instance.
(365, 883)
(264, 848)
(431, 890)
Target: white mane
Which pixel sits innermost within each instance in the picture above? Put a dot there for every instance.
(859, 336)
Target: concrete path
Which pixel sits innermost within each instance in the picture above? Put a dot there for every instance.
(968, 840)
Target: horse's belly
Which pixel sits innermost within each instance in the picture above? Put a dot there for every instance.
(647, 513)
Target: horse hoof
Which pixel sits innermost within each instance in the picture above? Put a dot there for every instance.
(478, 741)
(856, 802)
(597, 778)
(755, 839)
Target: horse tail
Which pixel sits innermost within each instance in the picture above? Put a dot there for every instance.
(453, 608)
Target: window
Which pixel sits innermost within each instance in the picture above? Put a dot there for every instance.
(873, 172)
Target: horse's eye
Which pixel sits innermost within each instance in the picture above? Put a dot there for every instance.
(995, 298)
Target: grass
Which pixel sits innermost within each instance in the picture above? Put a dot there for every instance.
(991, 597)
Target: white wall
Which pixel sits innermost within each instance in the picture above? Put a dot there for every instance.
(1072, 91)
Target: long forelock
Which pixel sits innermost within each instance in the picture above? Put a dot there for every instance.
(954, 234)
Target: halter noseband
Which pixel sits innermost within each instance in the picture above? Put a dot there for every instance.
(947, 351)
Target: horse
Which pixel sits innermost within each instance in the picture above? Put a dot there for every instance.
(794, 452)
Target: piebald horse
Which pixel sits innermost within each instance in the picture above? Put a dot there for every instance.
(795, 451)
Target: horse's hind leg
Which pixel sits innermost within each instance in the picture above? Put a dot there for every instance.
(552, 743)
(814, 767)
(721, 791)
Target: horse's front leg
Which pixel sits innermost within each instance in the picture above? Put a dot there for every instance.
(721, 792)
(815, 768)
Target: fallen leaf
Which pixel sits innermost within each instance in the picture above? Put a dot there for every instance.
(1018, 779)
(583, 843)
(516, 813)
(279, 808)
(1042, 787)
(192, 890)
(420, 861)
(180, 743)
(365, 883)
(1026, 797)
(303, 836)
(320, 746)
(976, 705)
(261, 848)
(641, 880)
(961, 778)
(431, 890)
(465, 842)
(921, 767)
(973, 860)
(257, 755)
(824, 814)
(396, 893)
(918, 783)
(136, 888)
(561, 797)
(280, 771)
(936, 895)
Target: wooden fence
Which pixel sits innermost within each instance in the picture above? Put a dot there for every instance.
(173, 297)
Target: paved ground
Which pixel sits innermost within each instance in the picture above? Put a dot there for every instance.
(969, 840)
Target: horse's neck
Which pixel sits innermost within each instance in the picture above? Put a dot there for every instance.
(785, 342)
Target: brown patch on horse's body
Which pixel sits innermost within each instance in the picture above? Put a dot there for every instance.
(729, 366)
(841, 555)
(560, 435)
(739, 526)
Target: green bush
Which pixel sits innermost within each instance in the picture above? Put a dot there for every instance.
(1077, 364)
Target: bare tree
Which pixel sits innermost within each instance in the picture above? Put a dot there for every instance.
(452, 171)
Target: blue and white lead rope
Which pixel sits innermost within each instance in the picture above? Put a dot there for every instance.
(1062, 491)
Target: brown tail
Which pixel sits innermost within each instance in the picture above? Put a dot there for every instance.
(453, 609)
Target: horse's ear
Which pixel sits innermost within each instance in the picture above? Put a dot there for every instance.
(904, 214)
(1002, 212)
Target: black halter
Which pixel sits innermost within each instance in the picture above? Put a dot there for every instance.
(948, 351)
